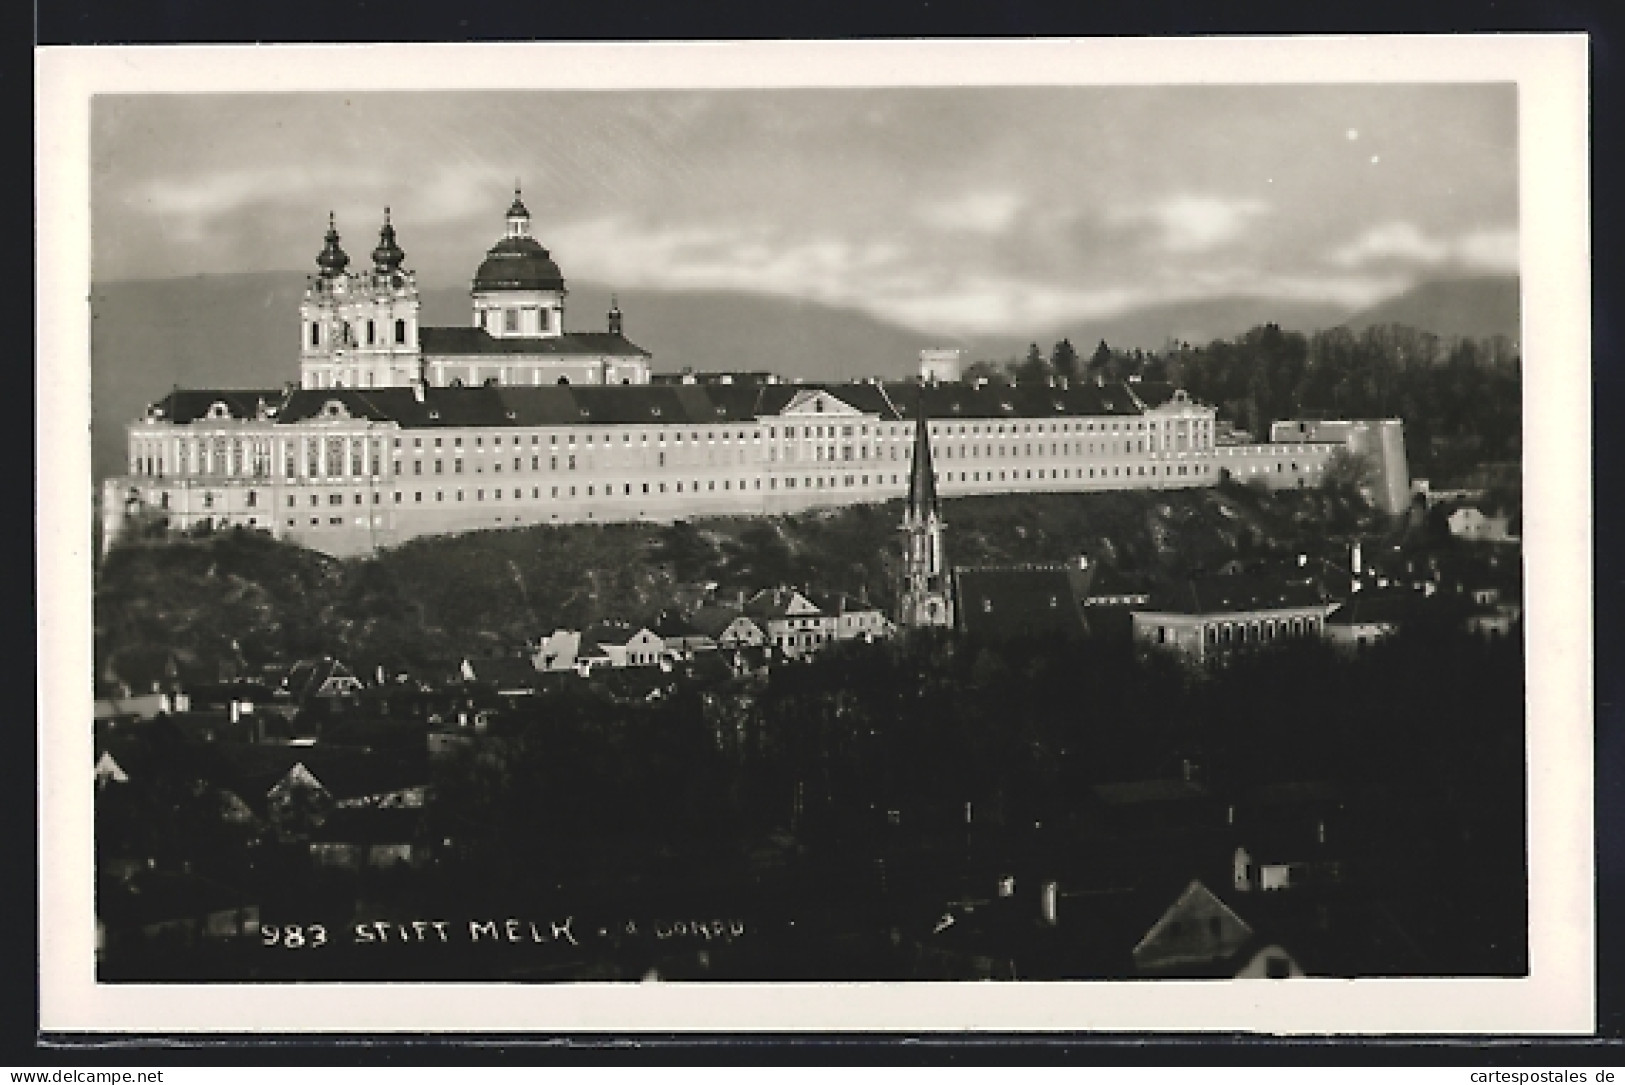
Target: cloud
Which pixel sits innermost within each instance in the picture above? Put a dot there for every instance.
(1403, 244)
(1191, 223)
(984, 212)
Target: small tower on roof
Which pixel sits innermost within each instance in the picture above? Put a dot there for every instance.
(925, 597)
(614, 315)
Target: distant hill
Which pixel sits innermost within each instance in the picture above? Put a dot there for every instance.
(1476, 308)
(243, 331)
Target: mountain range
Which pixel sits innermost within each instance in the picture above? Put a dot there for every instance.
(238, 331)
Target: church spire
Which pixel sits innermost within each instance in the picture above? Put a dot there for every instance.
(387, 257)
(925, 598)
(922, 478)
(332, 259)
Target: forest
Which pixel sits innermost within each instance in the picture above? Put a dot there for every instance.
(1460, 399)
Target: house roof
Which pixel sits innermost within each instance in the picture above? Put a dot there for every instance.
(344, 771)
(1376, 606)
(838, 602)
(1110, 581)
(610, 632)
(712, 619)
(1014, 603)
(773, 603)
(457, 341)
(1238, 592)
(672, 625)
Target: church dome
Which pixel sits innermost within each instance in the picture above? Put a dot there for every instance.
(518, 263)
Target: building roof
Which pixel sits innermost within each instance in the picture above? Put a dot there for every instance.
(610, 633)
(672, 625)
(712, 619)
(518, 263)
(456, 341)
(1238, 592)
(1016, 603)
(655, 404)
(771, 603)
(1367, 607)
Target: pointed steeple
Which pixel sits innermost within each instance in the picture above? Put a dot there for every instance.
(332, 259)
(922, 478)
(925, 597)
(387, 257)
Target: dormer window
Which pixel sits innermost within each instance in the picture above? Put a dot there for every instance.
(218, 411)
(334, 409)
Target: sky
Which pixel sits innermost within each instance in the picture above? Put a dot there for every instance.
(949, 209)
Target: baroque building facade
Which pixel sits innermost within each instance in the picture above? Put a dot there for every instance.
(397, 431)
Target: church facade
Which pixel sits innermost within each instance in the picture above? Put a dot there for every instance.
(397, 431)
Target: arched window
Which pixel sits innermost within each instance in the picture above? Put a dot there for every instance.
(315, 335)
(400, 331)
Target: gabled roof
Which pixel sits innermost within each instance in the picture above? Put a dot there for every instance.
(610, 633)
(1016, 603)
(712, 619)
(343, 771)
(456, 341)
(1196, 928)
(773, 603)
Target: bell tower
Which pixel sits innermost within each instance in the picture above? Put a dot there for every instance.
(925, 597)
(360, 329)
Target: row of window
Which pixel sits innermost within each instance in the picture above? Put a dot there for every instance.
(251, 497)
(344, 334)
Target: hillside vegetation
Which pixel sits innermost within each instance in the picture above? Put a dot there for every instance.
(234, 601)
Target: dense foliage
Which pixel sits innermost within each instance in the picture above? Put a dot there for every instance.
(1461, 399)
(232, 602)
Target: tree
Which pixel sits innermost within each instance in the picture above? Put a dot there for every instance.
(1064, 360)
(1347, 473)
(1033, 368)
(1100, 363)
(983, 370)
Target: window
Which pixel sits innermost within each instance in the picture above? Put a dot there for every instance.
(510, 320)
(400, 331)
(371, 333)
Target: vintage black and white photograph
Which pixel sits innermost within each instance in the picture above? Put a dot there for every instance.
(809, 534)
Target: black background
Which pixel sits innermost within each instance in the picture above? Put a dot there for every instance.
(85, 22)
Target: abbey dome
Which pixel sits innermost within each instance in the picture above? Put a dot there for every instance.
(518, 263)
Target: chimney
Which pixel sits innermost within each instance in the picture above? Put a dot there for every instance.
(418, 389)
